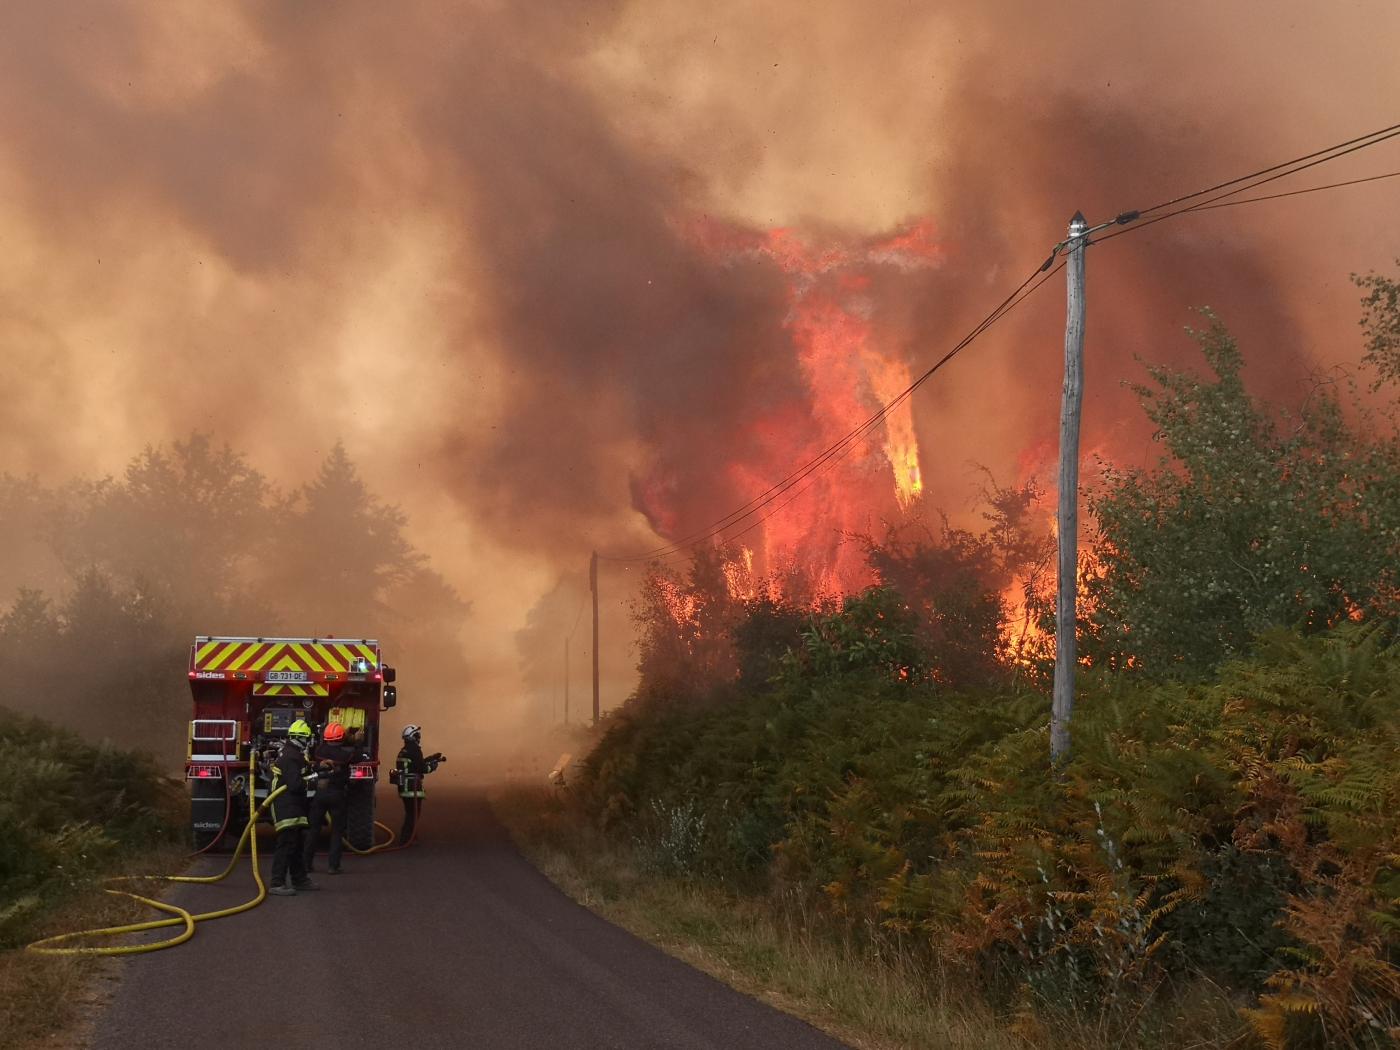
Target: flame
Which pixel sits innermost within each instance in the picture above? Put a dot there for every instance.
(739, 575)
(681, 606)
(849, 374)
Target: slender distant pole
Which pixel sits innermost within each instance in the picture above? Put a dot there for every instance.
(1066, 611)
(566, 681)
(593, 586)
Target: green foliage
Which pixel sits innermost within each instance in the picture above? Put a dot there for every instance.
(1248, 522)
(952, 580)
(68, 811)
(685, 623)
(1231, 806)
(1381, 322)
(1197, 829)
(872, 634)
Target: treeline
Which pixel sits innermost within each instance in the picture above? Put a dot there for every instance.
(1229, 816)
(114, 577)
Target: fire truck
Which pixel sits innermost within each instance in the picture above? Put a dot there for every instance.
(248, 691)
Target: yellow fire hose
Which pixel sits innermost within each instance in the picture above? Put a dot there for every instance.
(374, 848)
(387, 844)
(181, 917)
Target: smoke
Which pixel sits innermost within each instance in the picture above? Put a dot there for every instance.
(460, 237)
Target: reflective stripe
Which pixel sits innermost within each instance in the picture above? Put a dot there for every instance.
(410, 783)
(285, 822)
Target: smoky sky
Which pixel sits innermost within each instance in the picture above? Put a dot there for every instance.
(460, 236)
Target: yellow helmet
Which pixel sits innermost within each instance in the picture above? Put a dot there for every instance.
(299, 732)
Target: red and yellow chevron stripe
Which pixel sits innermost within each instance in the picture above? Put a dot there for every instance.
(291, 689)
(280, 654)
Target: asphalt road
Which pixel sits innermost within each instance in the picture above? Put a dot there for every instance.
(457, 942)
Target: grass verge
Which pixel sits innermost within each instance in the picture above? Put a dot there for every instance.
(48, 1002)
(858, 986)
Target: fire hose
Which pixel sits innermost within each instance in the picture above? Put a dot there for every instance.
(183, 917)
(387, 846)
(180, 916)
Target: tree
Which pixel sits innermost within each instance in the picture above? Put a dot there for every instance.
(186, 521)
(336, 553)
(873, 636)
(29, 634)
(1249, 519)
(1380, 320)
(685, 627)
(954, 581)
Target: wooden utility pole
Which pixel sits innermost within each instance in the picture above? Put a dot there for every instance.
(1066, 607)
(593, 586)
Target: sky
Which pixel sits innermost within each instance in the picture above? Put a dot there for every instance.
(475, 242)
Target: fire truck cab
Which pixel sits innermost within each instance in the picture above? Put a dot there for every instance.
(248, 691)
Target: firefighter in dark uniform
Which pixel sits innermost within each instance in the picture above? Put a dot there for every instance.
(331, 760)
(411, 768)
(289, 813)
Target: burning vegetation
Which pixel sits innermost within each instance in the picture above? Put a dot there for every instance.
(1227, 819)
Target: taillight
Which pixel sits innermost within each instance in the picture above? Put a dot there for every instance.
(361, 772)
(203, 773)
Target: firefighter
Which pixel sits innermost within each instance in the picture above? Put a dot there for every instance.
(332, 761)
(411, 768)
(289, 813)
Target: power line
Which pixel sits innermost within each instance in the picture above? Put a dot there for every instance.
(1270, 169)
(1297, 193)
(778, 488)
(851, 447)
(1209, 202)
(838, 451)
(842, 447)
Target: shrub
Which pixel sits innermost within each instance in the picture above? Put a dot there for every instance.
(68, 810)
(1246, 830)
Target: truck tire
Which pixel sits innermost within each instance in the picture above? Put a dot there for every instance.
(359, 816)
(207, 810)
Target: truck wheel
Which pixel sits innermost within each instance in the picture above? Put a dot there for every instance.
(207, 810)
(359, 816)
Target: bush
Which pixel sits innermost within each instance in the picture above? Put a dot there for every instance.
(68, 811)
(1247, 830)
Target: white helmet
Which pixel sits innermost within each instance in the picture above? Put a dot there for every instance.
(412, 732)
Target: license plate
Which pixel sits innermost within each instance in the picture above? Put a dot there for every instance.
(286, 676)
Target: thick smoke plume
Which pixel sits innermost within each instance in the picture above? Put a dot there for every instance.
(461, 237)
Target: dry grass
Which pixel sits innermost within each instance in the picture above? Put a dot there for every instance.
(48, 1002)
(860, 989)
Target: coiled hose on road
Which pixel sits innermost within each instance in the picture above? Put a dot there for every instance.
(387, 846)
(180, 916)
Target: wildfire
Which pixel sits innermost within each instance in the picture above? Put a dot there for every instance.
(739, 575)
(849, 374)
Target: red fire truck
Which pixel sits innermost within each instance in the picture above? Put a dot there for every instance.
(248, 691)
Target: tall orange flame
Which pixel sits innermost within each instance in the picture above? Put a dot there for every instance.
(849, 375)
